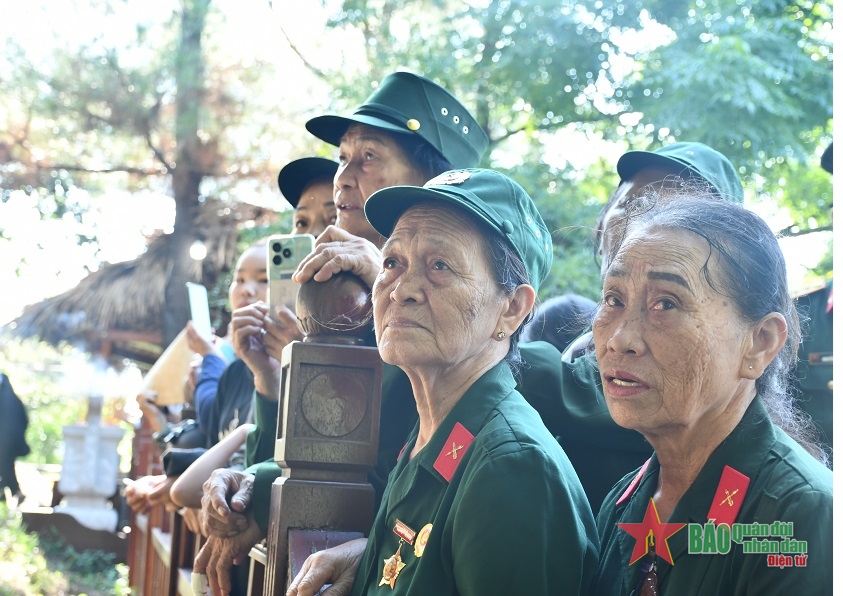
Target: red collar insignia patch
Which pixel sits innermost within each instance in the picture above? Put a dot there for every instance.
(453, 451)
(635, 482)
(728, 497)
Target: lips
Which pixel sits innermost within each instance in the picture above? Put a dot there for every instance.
(402, 323)
(620, 383)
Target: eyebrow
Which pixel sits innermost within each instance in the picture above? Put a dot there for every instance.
(654, 275)
(365, 138)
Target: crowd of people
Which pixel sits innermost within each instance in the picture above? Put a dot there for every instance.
(581, 425)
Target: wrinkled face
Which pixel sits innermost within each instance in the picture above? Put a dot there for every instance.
(670, 348)
(663, 180)
(369, 161)
(249, 282)
(436, 303)
(315, 210)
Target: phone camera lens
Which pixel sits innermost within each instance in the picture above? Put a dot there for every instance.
(287, 253)
(276, 247)
(276, 260)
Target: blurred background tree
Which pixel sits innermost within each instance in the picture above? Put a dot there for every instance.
(562, 88)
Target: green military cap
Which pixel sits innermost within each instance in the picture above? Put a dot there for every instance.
(712, 166)
(297, 175)
(496, 201)
(410, 104)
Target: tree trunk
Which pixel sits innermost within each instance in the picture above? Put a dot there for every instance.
(187, 173)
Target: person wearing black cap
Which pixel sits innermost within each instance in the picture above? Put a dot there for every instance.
(560, 320)
(308, 186)
(482, 499)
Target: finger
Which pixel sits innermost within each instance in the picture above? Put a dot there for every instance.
(222, 571)
(200, 563)
(241, 499)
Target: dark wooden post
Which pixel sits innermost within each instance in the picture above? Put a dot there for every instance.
(328, 427)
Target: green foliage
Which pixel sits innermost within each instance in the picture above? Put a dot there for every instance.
(748, 78)
(46, 566)
(23, 568)
(751, 79)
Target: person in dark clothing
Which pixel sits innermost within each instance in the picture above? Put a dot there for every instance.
(13, 423)
(560, 320)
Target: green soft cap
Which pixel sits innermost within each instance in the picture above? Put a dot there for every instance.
(410, 104)
(701, 159)
(297, 175)
(496, 201)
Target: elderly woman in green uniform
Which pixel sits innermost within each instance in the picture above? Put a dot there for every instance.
(695, 338)
(483, 500)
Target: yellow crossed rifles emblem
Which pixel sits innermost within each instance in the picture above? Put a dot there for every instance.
(729, 496)
(454, 449)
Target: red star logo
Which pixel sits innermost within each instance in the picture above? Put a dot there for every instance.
(651, 532)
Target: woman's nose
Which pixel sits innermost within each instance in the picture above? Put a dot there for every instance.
(407, 289)
(626, 337)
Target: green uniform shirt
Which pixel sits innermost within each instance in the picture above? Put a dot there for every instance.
(814, 371)
(511, 519)
(785, 484)
(567, 396)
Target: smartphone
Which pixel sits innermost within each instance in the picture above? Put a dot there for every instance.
(200, 314)
(284, 254)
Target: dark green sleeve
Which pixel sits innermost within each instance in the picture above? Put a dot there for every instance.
(265, 474)
(569, 399)
(260, 442)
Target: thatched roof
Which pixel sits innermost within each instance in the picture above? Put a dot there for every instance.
(119, 308)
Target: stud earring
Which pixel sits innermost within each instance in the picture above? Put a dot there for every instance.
(750, 367)
(500, 335)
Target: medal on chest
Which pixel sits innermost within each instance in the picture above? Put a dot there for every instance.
(393, 565)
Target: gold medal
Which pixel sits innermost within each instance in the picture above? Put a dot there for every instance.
(421, 539)
(392, 567)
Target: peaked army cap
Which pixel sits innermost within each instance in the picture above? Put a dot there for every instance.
(407, 103)
(710, 165)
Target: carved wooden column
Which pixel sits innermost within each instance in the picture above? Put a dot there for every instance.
(327, 435)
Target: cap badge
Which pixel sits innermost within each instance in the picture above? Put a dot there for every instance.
(413, 124)
(453, 177)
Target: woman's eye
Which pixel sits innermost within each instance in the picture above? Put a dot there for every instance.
(369, 156)
(440, 266)
(611, 300)
(390, 263)
(665, 304)
(300, 223)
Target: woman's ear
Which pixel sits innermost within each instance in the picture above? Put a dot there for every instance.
(767, 339)
(518, 306)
